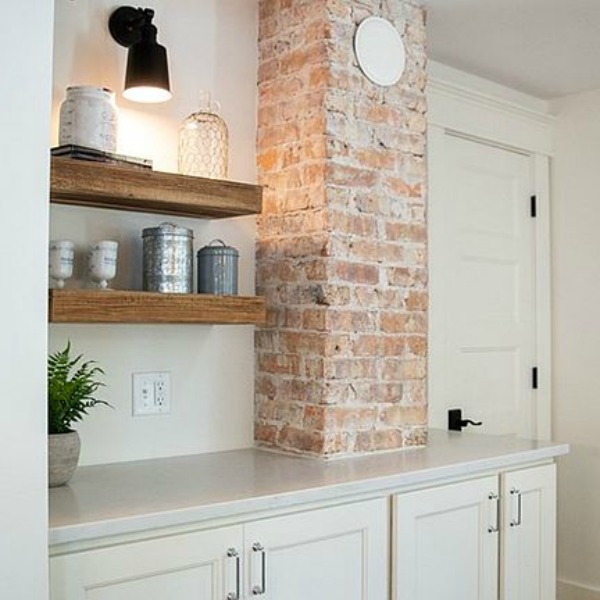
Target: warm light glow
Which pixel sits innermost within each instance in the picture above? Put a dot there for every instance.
(147, 94)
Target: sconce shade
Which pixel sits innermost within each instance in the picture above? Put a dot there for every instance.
(147, 75)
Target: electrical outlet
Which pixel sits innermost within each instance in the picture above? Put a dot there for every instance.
(151, 394)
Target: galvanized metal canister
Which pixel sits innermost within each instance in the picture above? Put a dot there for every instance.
(218, 269)
(168, 259)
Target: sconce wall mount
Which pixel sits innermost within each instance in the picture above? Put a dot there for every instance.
(147, 75)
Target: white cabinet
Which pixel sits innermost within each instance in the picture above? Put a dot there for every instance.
(452, 541)
(446, 542)
(190, 566)
(338, 553)
(529, 534)
(487, 538)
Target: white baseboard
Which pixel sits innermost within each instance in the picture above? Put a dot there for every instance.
(567, 590)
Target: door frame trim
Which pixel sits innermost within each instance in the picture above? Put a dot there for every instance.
(480, 108)
(543, 297)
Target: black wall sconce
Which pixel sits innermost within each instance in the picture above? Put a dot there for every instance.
(147, 75)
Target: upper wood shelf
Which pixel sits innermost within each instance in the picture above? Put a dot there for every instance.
(85, 183)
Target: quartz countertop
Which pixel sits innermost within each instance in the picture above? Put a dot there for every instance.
(121, 498)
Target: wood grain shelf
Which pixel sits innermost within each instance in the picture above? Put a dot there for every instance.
(98, 185)
(115, 306)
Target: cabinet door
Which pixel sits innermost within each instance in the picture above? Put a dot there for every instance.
(446, 542)
(529, 534)
(339, 553)
(192, 566)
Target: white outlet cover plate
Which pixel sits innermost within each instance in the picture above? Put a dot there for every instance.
(380, 51)
(151, 393)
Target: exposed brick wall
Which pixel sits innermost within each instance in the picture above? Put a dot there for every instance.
(341, 254)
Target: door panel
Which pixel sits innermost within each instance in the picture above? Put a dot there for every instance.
(482, 285)
(443, 546)
(338, 553)
(529, 534)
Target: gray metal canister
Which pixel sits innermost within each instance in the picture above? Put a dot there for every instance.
(218, 269)
(168, 258)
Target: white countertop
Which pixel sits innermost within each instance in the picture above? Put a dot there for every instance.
(136, 496)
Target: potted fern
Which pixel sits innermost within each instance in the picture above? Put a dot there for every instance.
(72, 386)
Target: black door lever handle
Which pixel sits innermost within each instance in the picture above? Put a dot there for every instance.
(456, 422)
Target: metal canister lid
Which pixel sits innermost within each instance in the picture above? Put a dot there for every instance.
(218, 248)
(167, 229)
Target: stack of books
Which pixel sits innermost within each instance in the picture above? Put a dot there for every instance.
(84, 153)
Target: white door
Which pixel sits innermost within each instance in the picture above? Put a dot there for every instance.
(529, 534)
(445, 543)
(184, 567)
(339, 553)
(482, 285)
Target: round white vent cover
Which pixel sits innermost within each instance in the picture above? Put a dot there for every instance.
(380, 51)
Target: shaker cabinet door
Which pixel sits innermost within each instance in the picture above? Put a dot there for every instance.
(445, 542)
(339, 553)
(192, 566)
(529, 534)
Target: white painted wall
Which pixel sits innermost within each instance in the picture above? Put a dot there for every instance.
(211, 45)
(576, 294)
(24, 113)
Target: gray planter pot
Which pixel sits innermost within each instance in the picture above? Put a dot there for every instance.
(63, 457)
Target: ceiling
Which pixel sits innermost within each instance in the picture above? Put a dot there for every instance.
(547, 48)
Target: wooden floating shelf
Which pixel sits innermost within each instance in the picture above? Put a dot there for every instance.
(115, 306)
(99, 185)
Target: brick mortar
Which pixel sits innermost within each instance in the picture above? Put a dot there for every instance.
(341, 252)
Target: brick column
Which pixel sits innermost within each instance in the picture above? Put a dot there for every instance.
(341, 253)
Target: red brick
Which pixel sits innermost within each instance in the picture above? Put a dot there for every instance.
(295, 439)
(350, 176)
(279, 363)
(350, 417)
(351, 368)
(314, 319)
(417, 345)
(406, 232)
(401, 416)
(368, 345)
(375, 159)
(314, 417)
(417, 300)
(393, 322)
(356, 273)
(266, 434)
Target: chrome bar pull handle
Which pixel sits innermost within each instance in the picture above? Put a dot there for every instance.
(515, 493)
(233, 553)
(493, 497)
(259, 590)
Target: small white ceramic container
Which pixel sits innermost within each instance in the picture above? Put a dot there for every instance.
(102, 262)
(60, 261)
(88, 117)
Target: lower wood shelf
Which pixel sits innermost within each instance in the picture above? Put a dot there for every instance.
(115, 306)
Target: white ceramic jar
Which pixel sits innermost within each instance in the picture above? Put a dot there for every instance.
(88, 117)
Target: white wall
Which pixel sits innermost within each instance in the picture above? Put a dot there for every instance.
(211, 45)
(576, 294)
(24, 114)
